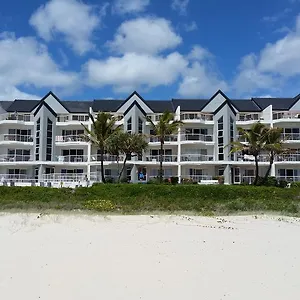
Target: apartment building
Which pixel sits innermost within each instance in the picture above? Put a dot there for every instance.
(41, 140)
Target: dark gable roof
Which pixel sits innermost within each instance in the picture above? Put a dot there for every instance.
(189, 104)
(160, 105)
(245, 105)
(78, 106)
(107, 105)
(277, 103)
(5, 104)
(23, 105)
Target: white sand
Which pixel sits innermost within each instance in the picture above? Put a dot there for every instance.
(144, 257)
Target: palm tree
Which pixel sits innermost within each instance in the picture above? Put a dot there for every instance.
(166, 125)
(253, 145)
(102, 128)
(128, 144)
(273, 145)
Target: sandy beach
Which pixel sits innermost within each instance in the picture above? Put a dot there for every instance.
(148, 257)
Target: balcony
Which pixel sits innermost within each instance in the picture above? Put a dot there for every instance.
(196, 157)
(293, 157)
(290, 137)
(286, 116)
(16, 117)
(196, 178)
(255, 117)
(197, 137)
(65, 177)
(76, 118)
(15, 178)
(166, 158)
(70, 139)
(72, 158)
(289, 178)
(16, 138)
(15, 158)
(203, 117)
(107, 157)
(250, 158)
(168, 138)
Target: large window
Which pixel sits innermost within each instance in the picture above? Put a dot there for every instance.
(20, 135)
(37, 139)
(80, 118)
(17, 173)
(220, 139)
(129, 125)
(49, 140)
(18, 154)
(140, 127)
(73, 155)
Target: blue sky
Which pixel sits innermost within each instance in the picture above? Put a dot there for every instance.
(92, 49)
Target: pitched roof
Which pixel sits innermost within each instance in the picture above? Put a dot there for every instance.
(277, 103)
(78, 106)
(190, 104)
(160, 105)
(23, 105)
(5, 104)
(106, 105)
(245, 105)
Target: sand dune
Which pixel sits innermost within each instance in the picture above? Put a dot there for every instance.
(148, 257)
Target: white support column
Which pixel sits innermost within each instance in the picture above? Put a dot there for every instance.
(227, 174)
(89, 149)
(177, 117)
(273, 172)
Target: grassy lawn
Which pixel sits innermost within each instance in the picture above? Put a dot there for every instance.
(143, 198)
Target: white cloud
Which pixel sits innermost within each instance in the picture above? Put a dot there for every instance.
(134, 70)
(72, 19)
(190, 26)
(278, 16)
(273, 66)
(145, 35)
(180, 6)
(130, 6)
(25, 62)
(10, 93)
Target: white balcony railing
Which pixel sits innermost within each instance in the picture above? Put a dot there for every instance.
(15, 158)
(196, 157)
(286, 115)
(16, 178)
(196, 178)
(288, 157)
(64, 177)
(249, 158)
(16, 117)
(197, 116)
(168, 138)
(289, 178)
(166, 158)
(197, 137)
(16, 138)
(73, 118)
(72, 158)
(107, 157)
(242, 117)
(70, 139)
(290, 136)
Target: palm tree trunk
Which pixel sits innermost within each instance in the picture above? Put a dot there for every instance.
(102, 165)
(161, 161)
(122, 170)
(270, 167)
(256, 170)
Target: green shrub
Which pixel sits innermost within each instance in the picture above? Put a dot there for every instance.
(109, 179)
(100, 205)
(295, 184)
(174, 180)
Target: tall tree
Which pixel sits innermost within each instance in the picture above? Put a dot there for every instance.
(166, 125)
(274, 146)
(128, 144)
(254, 143)
(102, 128)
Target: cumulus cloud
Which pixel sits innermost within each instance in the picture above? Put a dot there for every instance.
(24, 61)
(130, 6)
(144, 35)
(74, 20)
(180, 6)
(270, 69)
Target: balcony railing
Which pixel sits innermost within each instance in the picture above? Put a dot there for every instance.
(72, 158)
(155, 117)
(289, 178)
(286, 115)
(166, 158)
(197, 137)
(65, 177)
(15, 158)
(15, 177)
(249, 158)
(196, 157)
(168, 138)
(249, 117)
(107, 157)
(197, 116)
(70, 139)
(288, 157)
(16, 138)
(73, 118)
(16, 117)
(290, 136)
(196, 178)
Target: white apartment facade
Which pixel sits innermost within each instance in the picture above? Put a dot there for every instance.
(41, 140)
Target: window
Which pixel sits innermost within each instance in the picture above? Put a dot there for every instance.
(220, 139)
(18, 154)
(129, 125)
(140, 127)
(73, 132)
(80, 118)
(49, 140)
(37, 140)
(73, 155)
(20, 135)
(231, 136)
(17, 173)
